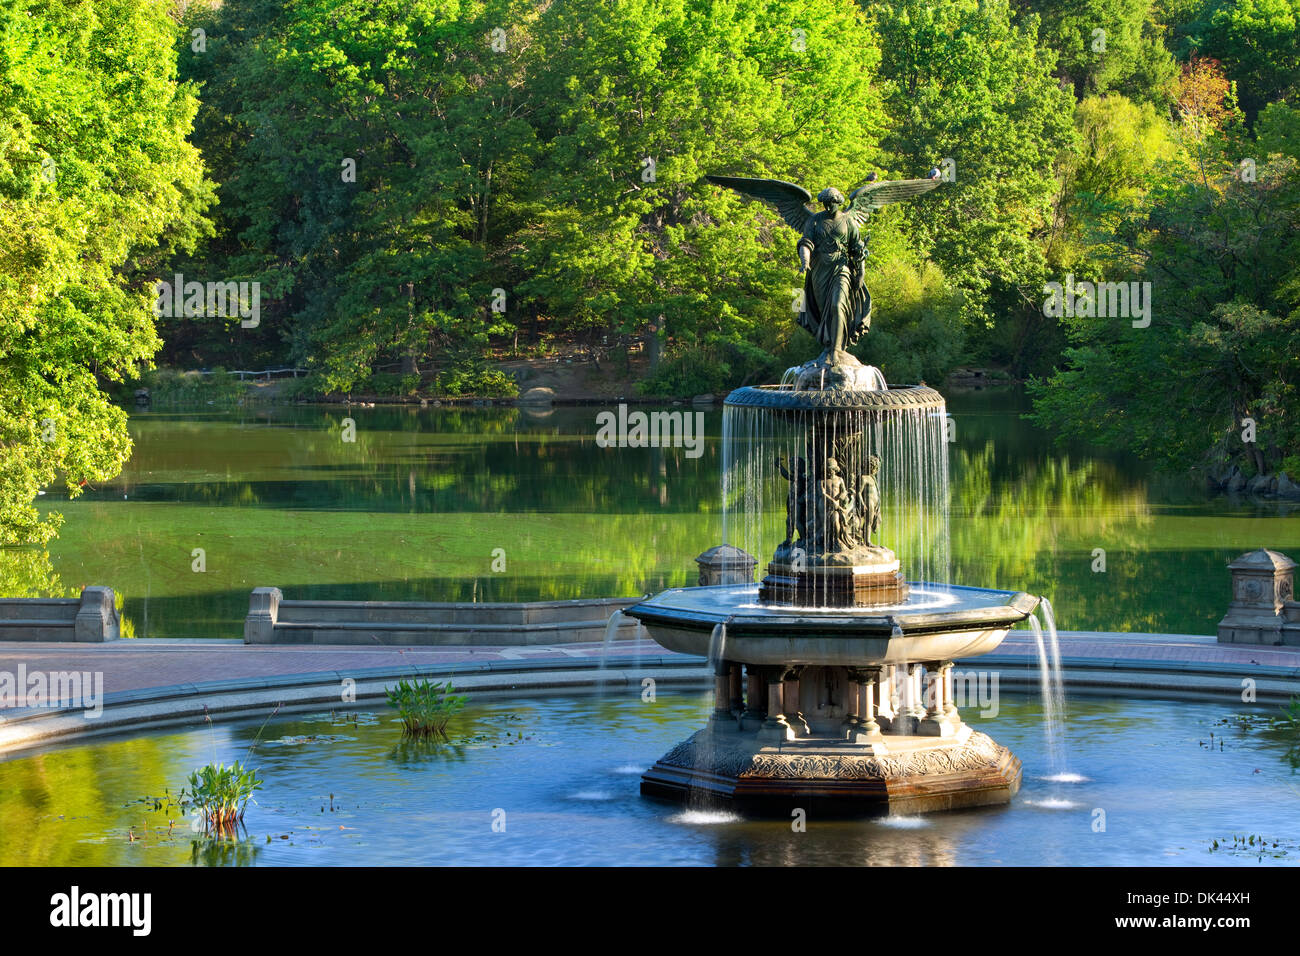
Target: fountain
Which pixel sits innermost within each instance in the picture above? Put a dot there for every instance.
(833, 687)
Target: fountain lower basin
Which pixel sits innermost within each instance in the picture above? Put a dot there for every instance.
(832, 711)
(936, 622)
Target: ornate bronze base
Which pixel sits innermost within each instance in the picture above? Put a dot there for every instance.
(831, 587)
(705, 770)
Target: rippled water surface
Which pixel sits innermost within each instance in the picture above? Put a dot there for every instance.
(1147, 782)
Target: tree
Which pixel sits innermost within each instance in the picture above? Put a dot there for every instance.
(1105, 46)
(1259, 44)
(1122, 145)
(640, 101)
(966, 84)
(98, 186)
(368, 155)
(1220, 252)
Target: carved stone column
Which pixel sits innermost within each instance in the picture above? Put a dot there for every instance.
(722, 718)
(885, 698)
(869, 723)
(793, 715)
(775, 729)
(755, 698)
(941, 719)
(910, 709)
(854, 677)
(934, 691)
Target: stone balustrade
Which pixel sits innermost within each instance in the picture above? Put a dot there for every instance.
(90, 618)
(274, 620)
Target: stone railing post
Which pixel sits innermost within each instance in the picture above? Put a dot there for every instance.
(726, 564)
(263, 611)
(1262, 589)
(96, 619)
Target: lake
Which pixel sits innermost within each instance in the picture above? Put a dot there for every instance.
(506, 504)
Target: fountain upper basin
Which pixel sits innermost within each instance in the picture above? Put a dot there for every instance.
(937, 622)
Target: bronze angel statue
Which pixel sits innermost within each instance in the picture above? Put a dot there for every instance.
(832, 252)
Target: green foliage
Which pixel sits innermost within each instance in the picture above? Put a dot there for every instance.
(1278, 130)
(97, 186)
(221, 793)
(416, 182)
(1259, 44)
(1122, 146)
(923, 338)
(1105, 46)
(172, 387)
(476, 379)
(966, 83)
(386, 383)
(711, 368)
(424, 707)
(368, 152)
(1290, 718)
(765, 90)
(1222, 256)
(27, 572)
(304, 389)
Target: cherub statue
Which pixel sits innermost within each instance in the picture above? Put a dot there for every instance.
(867, 500)
(833, 508)
(796, 500)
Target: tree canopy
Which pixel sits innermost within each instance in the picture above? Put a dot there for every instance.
(414, 186)
(99, 186)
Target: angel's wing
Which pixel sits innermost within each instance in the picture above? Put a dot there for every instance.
(790, 200)
(865, 200)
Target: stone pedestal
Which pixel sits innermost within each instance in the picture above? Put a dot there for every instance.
(940, 718)
(726, 564)
(835, 716)
(829, 778)
(822, 746)
(775, 729)
(96, 618)
(263, 611)
(1263, 608)
(836, 586)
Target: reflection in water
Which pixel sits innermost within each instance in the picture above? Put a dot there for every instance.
(569, 794)
(414, 508)
(212, 851)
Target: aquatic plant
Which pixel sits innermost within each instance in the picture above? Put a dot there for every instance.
(220, 794)
(425, 707)
(1290, 719)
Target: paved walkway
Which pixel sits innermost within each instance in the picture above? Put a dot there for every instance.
(154, 683)
(1170, 648)
(130, 665)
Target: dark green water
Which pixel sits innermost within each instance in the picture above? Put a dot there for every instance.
(498, 504)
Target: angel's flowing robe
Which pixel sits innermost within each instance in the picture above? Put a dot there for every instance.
(837, 305)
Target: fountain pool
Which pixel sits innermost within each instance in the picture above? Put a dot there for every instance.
(571, 797)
